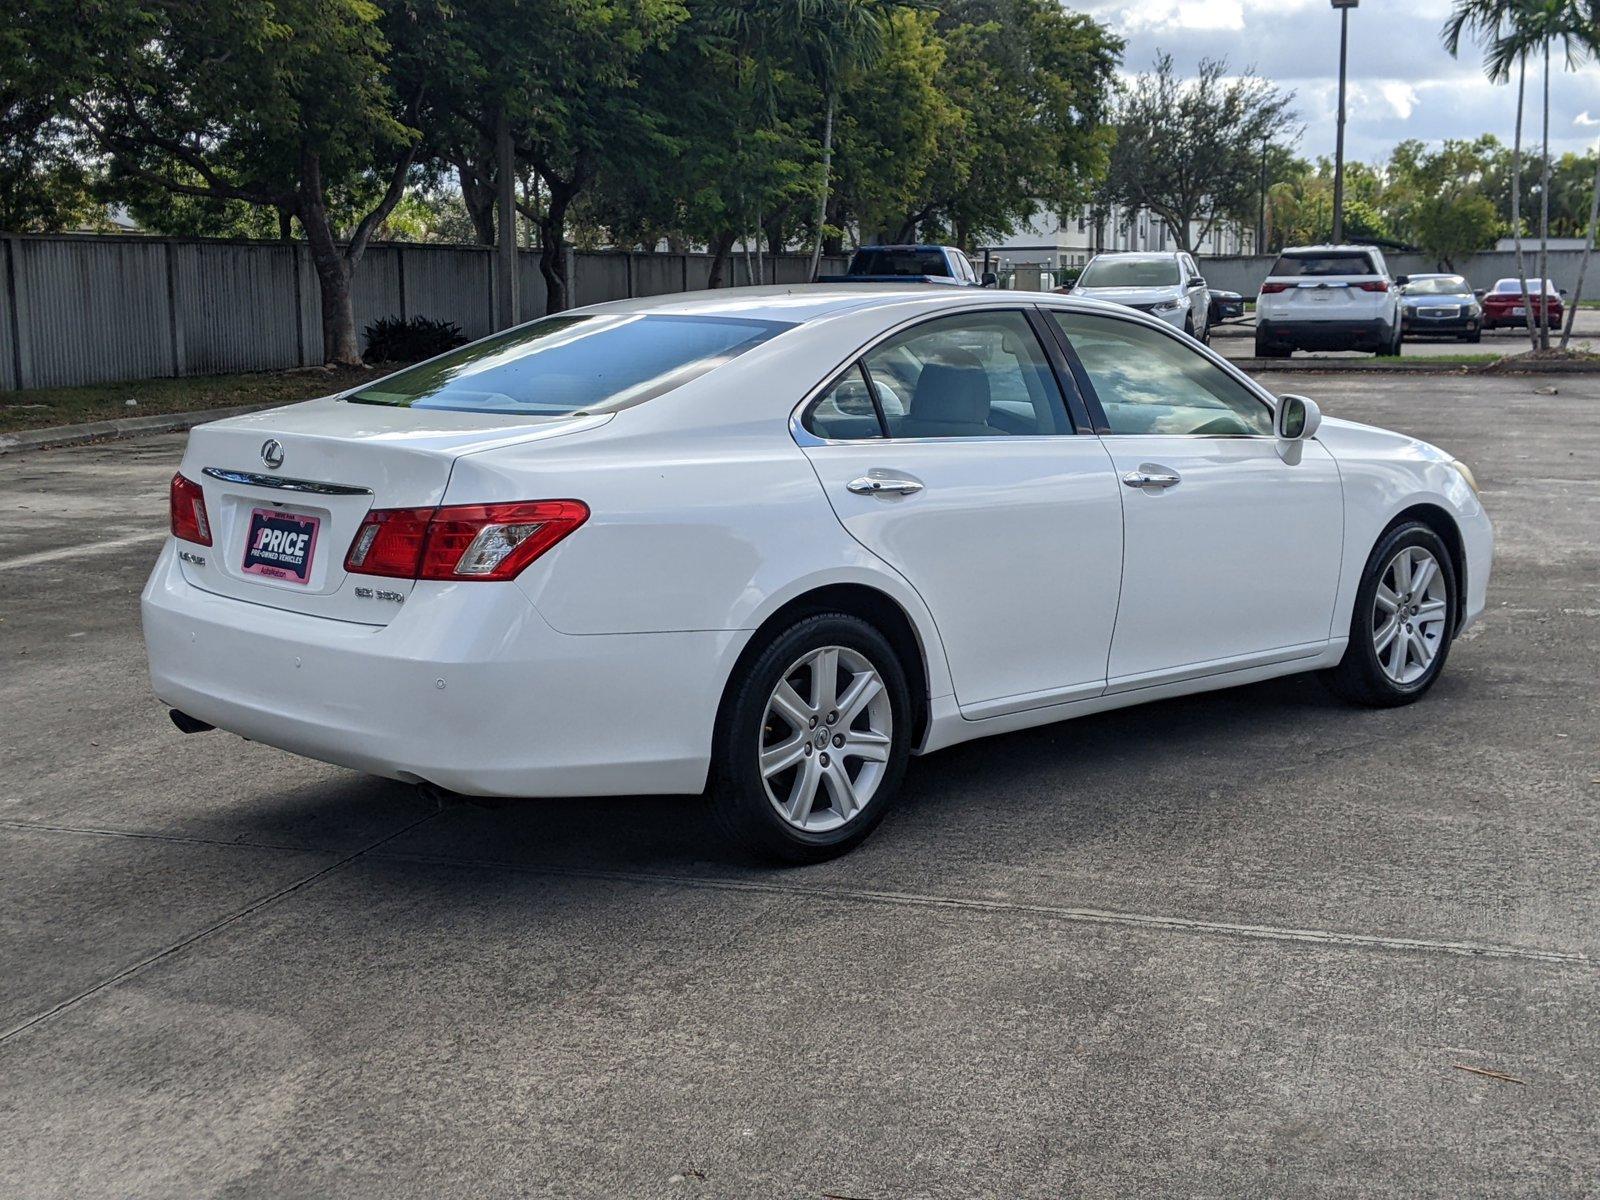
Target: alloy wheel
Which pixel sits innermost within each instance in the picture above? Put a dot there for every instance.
(1410, 613)
(825, 739)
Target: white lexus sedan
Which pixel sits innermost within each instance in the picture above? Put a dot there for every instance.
(767, 543)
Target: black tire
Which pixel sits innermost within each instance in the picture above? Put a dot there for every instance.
(1474, 337)
(1266, 349)
(1360, 677)
(739, 800)
(1392, 347)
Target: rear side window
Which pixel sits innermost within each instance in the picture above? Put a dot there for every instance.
(573, 363)
(1352, 263)
(845, 412)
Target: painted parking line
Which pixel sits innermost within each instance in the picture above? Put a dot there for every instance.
(65, 552)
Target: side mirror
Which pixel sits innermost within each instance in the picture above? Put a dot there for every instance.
(1297, 419)
(1479, 293)
(1563, 293)
(1198, 281)
(990, 279)
(1402, 280)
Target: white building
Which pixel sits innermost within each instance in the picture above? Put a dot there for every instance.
(1057, 241)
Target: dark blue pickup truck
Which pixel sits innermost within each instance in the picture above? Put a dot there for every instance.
(899, 264)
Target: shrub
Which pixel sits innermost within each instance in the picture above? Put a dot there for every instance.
(395, 340)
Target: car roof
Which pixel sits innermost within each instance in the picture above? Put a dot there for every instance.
(1137, 254)
(1342, 248)
(805, 302)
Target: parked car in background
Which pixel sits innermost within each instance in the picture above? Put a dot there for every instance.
(1439, 306)
(773, 541)
(1226, 306)
(1168, 286)
(1506, 304)
(899, 264)
(1328, 298)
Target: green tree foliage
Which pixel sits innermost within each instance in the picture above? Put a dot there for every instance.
(1190, 150)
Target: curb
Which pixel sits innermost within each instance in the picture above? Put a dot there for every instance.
(120, 427)
(1267, 366)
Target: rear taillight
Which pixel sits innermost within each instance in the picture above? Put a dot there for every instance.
(461, 541)
(1374, 285)
(186, 505)
(1272, 289)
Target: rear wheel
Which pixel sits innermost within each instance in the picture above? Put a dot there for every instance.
(1402, 625)
(814, 741)
(1392, 347)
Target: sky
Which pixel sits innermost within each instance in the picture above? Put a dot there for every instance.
(1403, 84)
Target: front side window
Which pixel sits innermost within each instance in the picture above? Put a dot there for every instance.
(1130, 272)
(971, 375)
(1149, 382)
(573, 363)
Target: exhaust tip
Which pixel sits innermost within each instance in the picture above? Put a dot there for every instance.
(189, 724)
(443, 797)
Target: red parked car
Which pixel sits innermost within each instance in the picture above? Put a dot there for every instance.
(1505, 304)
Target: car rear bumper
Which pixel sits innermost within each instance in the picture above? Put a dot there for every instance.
(1326, 335)
(467, 688)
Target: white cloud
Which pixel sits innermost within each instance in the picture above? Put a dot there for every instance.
(1402, 97)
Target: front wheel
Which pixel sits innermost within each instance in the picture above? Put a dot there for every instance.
(1403, 621)
(813, 742)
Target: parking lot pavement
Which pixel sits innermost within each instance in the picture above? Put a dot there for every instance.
(1235, 944)
(1236, 339)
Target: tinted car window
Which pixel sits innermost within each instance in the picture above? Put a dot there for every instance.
(1150, 382)
(844, 412)
(1130, 272)
(972, 375)
(568, 364)
(1353, 263)
(898, 262)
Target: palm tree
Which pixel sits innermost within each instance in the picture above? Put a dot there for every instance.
(1490, 20)
(1591, 44)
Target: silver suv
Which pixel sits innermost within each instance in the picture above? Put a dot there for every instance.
(1328, 298)
(1166, 285)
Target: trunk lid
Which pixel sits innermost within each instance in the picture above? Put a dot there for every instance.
(316, 469)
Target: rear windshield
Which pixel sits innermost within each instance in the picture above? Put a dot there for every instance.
(1351, 263)
(1130, 272)
(898, 262)
(571, 364)
(1448, 285)
(1512, 285)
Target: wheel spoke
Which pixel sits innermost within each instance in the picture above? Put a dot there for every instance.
(841, 789)
(1423, 576)
(866, 745)
(824, 679)
(861, 692)
(1421, 650)
(1431, 611)
(783, 756)
(1397, 658)
(786, 702)
(803, 792)
(1402, 571)
(1385, 635)
(1388, 601)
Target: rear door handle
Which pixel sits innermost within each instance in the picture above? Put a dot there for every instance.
(874, 485)
(1149, 476)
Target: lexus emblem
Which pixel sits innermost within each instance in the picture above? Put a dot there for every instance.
(272, 453)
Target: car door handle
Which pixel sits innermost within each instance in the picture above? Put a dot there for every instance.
(873, 485)
(1152, 477)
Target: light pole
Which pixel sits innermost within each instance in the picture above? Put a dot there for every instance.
(1344, 7)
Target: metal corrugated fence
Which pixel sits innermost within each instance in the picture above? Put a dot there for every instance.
(77, 309)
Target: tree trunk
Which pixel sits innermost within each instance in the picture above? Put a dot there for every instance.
(285, 224)
(1544, 215)
(1583, 263)
(478, 195)
(505, 255)
(822, 197)
(721, 244)
(339, 343)
(1516, 203)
